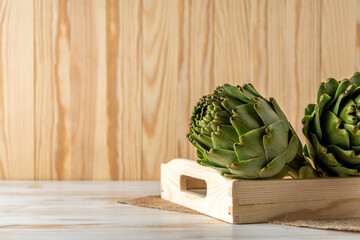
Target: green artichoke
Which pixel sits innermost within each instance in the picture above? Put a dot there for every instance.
(243, 135)
(331, 127)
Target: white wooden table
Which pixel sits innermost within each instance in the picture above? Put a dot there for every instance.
(88, 210)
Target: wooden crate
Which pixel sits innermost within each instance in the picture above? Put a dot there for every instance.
(250, 201)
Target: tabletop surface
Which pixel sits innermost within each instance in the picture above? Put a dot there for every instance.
(88, 210)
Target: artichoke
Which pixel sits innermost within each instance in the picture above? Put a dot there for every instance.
(243, 135)
(331, 127)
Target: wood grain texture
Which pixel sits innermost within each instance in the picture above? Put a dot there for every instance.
(88, 210)
(268, 40)
(16, 90)
(106, 87)
(124, 89)
(232, 42)
(248, 201)
(285, 53)
(88, 90)
(160, 27)
(196, 65)
(338, 39)
(52, 89)
(302, 59)
(71, 90)
(357, 66)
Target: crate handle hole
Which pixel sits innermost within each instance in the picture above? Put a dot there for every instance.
(193, 185)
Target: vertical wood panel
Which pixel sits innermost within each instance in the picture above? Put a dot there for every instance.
(302, 58)
(88, 90)
(160, 75)
(71, 119)
(338, 39)
(196, 65)
(357, 67)
(285, 53)
(232, 46)
(116, 80)
(124, 88)
(52, 89)
(16, 90)
(268, 40)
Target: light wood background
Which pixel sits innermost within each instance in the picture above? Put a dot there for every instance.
(103, 89)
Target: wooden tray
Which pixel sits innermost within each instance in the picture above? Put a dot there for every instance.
(250, 201)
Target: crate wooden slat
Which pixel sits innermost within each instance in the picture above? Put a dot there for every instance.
(249, 201)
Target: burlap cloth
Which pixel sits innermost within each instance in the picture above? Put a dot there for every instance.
(334, 224)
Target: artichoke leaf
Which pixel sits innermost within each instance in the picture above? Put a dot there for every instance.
(344, 84)
(326, 158)
(334, 135)
(250, 145)
(355, 79)
(228, 132)
(354, 133)
(275, 140)
(357, 100)
(222, 117)
(204, 140)
(245, 119)
(221, 157)
(206, 130)
(247, 92)
(265, 111)
(309, 110)
(235, 92)
(341, 171)
(293, 147)
(221, 141)
(207, 164)
(346, 112)
(318, 112)
(231, 176)
(328, 88)
(274, 166)
(229, 104)
(328, 161)
(357, 113)
(193, 141)
(249, 168)
(280, 113)
(342, 97)
(356, 149)
(250, 88)
(306, 122)
(346, 157)
(355, 92)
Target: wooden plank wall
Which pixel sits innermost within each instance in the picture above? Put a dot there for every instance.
(103, 89)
